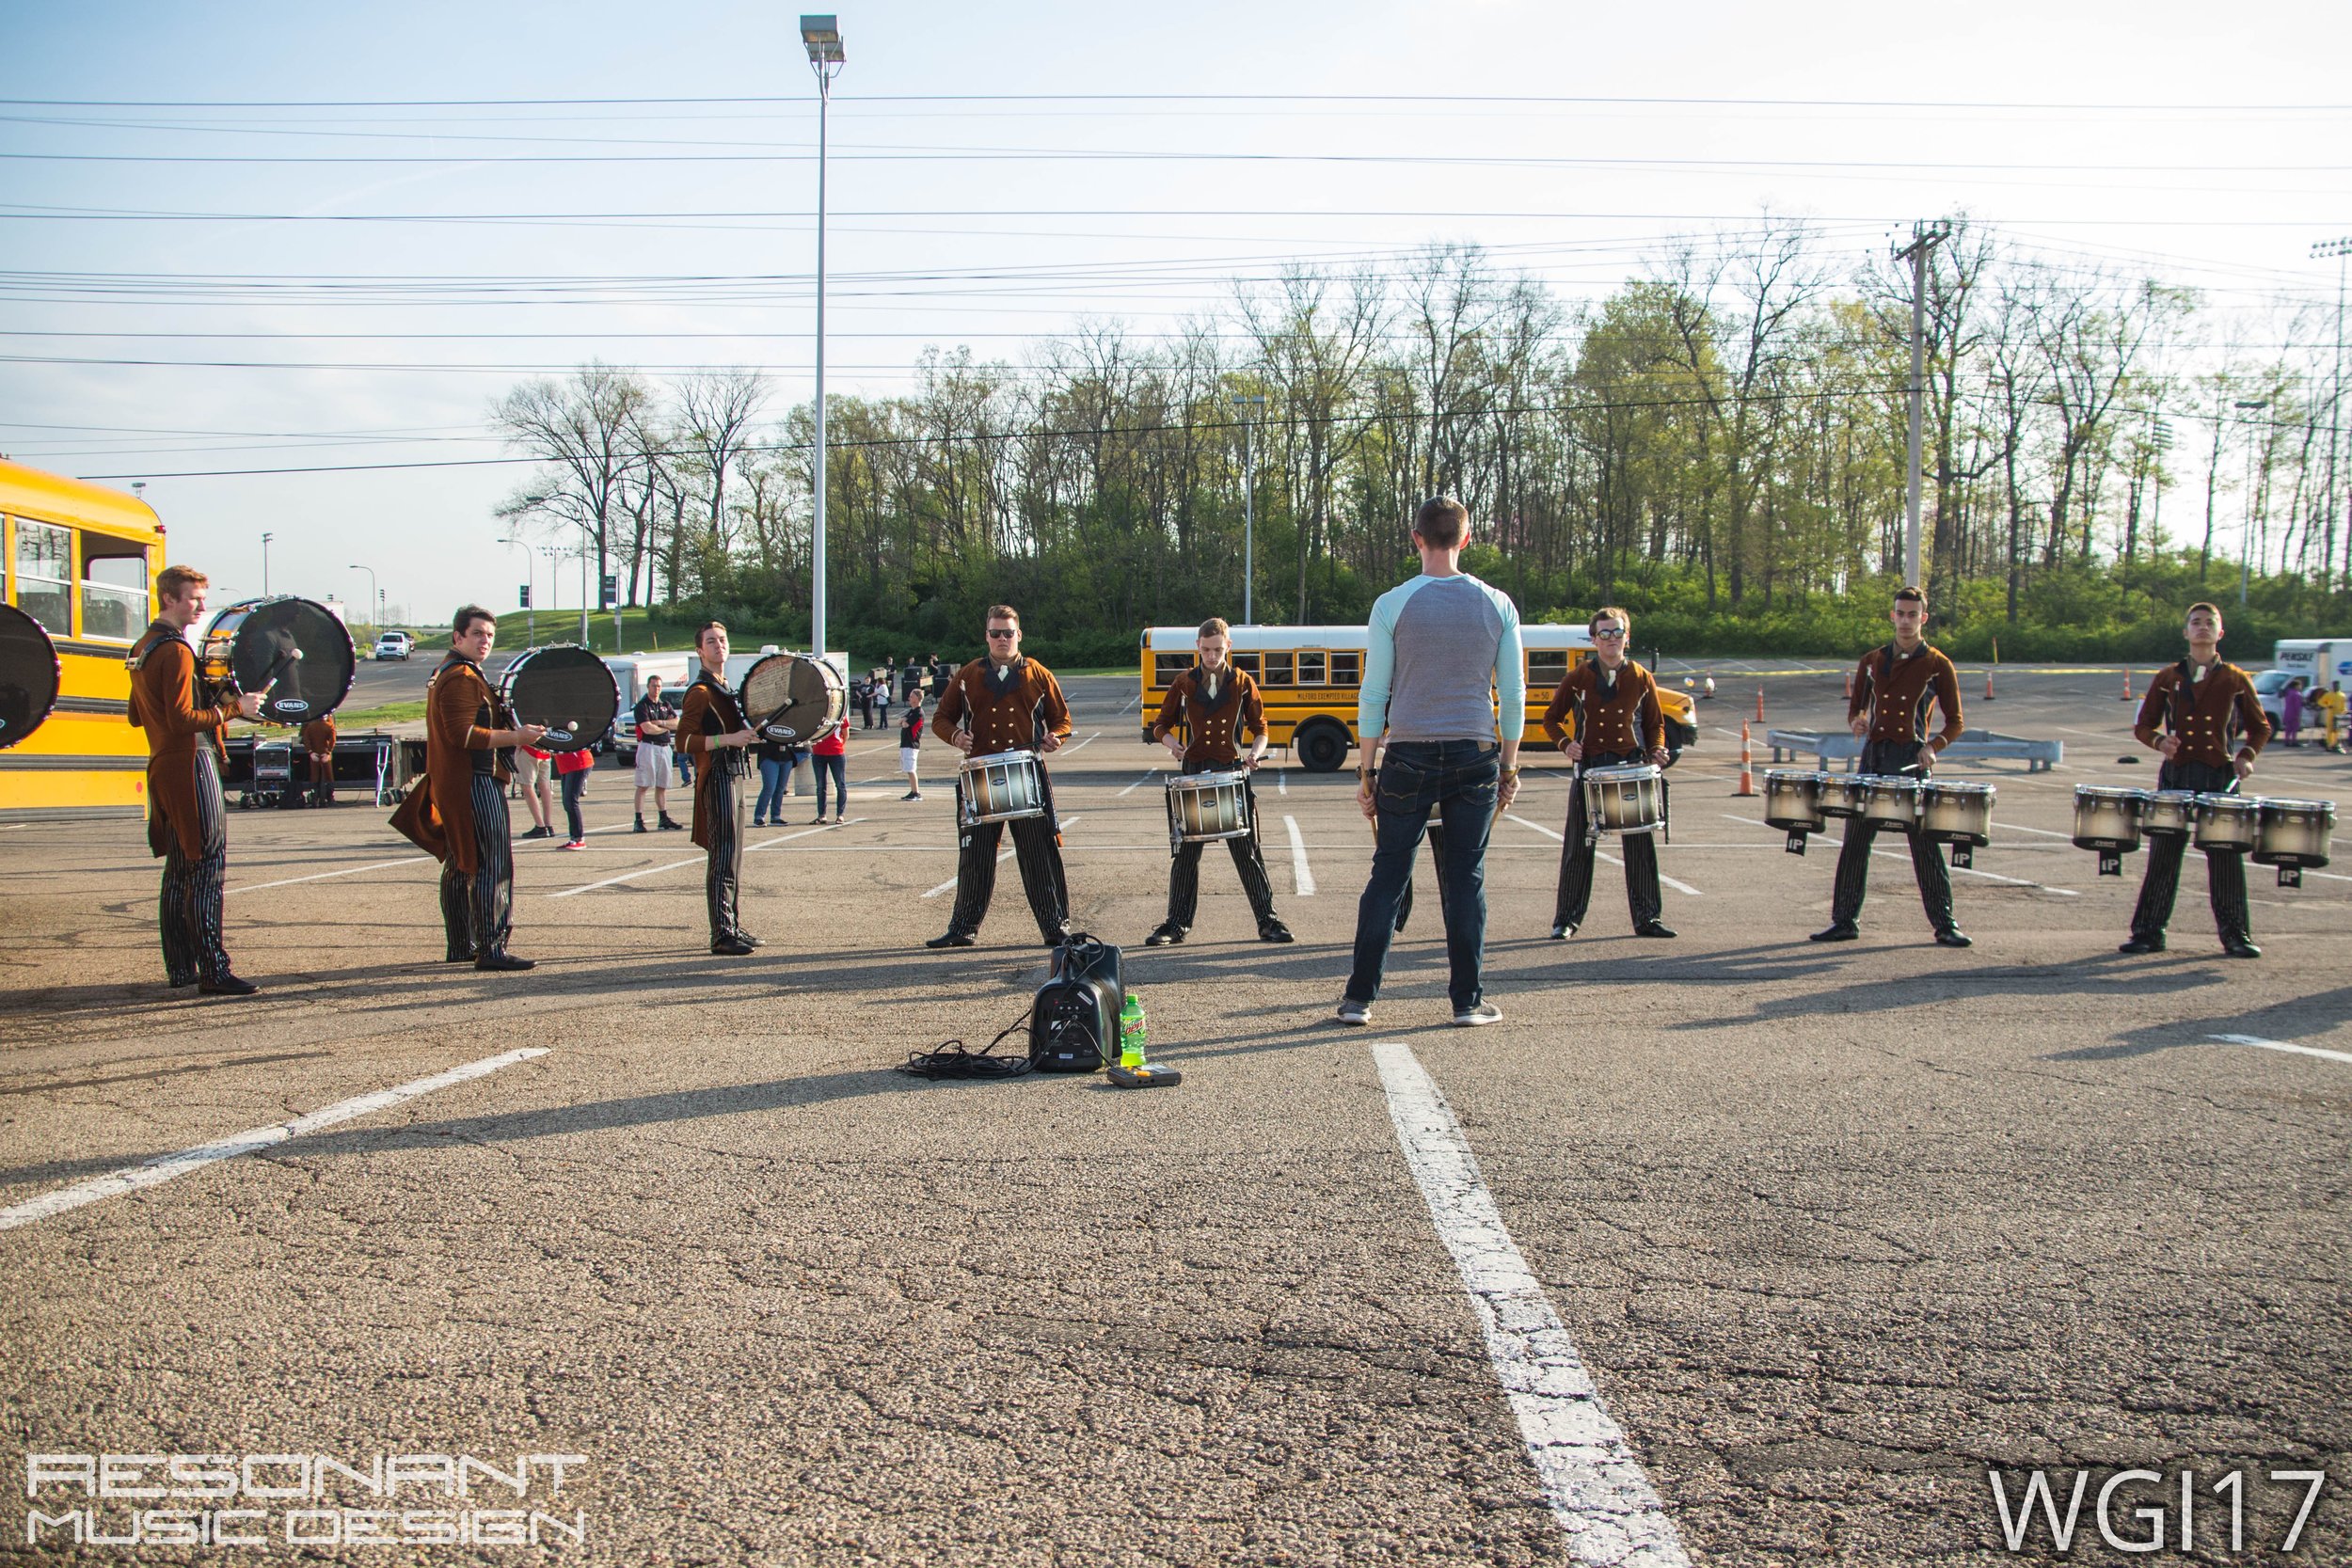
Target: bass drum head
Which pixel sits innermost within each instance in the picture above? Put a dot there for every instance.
(565, 688)
(29, 674)
(787, 698)
(293, 649)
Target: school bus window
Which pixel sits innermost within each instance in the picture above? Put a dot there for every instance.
(114, 588)
(1311, 669)
(1246, 664)
(1347, 669)
(1278, 670)
(1546, 668)
(1167, 667)
(44, 574)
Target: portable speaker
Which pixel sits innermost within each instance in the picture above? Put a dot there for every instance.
(1073, 1023)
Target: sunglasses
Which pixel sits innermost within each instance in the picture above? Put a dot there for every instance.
(1610, 634)
(1004, 631)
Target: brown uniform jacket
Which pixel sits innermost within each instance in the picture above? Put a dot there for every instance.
(1213, 730)
(164, 702)
(459, 712)
(1003, 713)
(2223, 702)
(709, 708)
(1895, 691)
(1611, 719)
(318, 736)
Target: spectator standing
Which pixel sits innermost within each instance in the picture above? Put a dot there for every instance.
(911, 745)
(828, 757)
(2291, 713)
(531, 773)
(865, 695)
(657, 729)
(573, 768)
(776, 761)
(2330, 704)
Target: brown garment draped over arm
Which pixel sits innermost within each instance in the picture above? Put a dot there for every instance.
(698, 719)
(438, 816)
(163, 703)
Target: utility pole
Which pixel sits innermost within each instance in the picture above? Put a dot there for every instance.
(1924, 237)
(2339, 248)
(822, 39)
(1248, 507)
(2246, 546)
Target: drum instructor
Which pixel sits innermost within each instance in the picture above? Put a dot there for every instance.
(1888, 714)
(996, 703)
(187, 815)
(2190, 715)
(1610, 695)
(457, 811)
(1214, 703)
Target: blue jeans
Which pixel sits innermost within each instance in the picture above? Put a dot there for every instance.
(838, 769)
(1463, 776)
(775, 782)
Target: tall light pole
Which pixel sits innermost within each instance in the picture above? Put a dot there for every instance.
(530, 610)
(823, 40)
(2339, 248)
(267, 537)
(375, 596)
(1924, 237)
(2246, 547)
(1248, 509)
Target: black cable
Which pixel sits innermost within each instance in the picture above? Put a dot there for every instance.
(953, 1059)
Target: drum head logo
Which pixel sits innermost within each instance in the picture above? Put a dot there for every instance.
(782, 732)
(292, 705)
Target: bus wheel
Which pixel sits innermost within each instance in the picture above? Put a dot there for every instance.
(1320, 745)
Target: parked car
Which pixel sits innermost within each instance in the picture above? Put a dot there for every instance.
(394, 644)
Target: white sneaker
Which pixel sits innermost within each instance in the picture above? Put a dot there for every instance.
(1354, 1012)
(1471, 1017)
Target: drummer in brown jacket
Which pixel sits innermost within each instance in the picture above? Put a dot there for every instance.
(457, 811)
(1214, 704)
(2192, 712)
(710, 726)
(186, 815)
(1888, 713)
(1005, 702)
(1619, 722)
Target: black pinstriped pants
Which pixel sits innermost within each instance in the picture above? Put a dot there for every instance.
(1035, 849)
(1853, 857)
(723, 813)
(187, 914)
(1579, 851)
(1184, 875)
(2225, 874)
(478, 910)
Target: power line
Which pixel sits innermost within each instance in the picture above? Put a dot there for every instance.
(1602, 100)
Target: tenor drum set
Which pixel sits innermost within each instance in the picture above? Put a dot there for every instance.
(1947, 812)
(2290, 835)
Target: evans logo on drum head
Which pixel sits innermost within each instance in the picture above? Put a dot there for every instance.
(292, 704)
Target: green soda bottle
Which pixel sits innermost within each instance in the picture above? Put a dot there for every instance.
(1130, 1032)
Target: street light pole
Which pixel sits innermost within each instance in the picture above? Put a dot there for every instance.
(530, 610)
(1249, 510)
(2339, 248)
(2246, 546)
(823, 40)
(267, 537)
(1924, 237)
(583, 595)
(375, 596)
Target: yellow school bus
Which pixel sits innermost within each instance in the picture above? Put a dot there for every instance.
(81, 560)
(1309, 677)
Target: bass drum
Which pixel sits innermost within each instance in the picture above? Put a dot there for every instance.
(29, 676)
(794, 700)
(292, 654)
(565, 688)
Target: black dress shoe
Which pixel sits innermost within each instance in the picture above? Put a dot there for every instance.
(495, 960)
(2144, 944)
(1952, 936)
(1843, 930)
(228, 985)
(2239, 947)
(1653, 929)
(950, 939)
(730, 947)
(669, 825)
(1167, 935)
(747, 939)
(1562, 931)
(1273, 930)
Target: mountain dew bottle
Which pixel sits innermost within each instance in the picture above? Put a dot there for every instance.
(1130, 1032)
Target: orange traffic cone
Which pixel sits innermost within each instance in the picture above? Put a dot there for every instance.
(1849, 686)
(1747, 773)
(1760, 705)
(1988, 685)
(2127, 683)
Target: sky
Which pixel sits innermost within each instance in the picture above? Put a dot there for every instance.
(284, 237)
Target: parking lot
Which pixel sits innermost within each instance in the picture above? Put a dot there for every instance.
(1807, 1239)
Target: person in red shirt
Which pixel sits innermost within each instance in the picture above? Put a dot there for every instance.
(829, 760)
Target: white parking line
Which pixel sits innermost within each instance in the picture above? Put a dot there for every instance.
(1558, 837)
(322, 876)
(1598, 1491)
(157, 1171)
(1304, 879)
(1149, 774)
(950, 882)
(2282, 1045)
(698, 860)
(1905, 858)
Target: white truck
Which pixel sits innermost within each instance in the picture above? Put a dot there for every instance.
(2314, 663)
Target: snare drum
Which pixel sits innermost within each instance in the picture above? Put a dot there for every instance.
(565, 688)
(2228, 824)
(1956, 813)
(1003, 786)
(2294, 833)
(1842, 795)
(1206, 806)
(1792, 800)
(2168, 811)
(2108, 819)
(291, 653)
(1627, 799)
(1890, 799)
